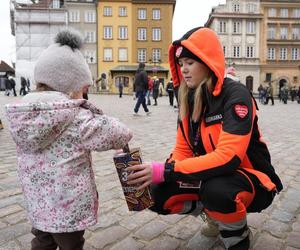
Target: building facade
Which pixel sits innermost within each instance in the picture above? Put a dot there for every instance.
(280, 43)
(34, 26)
(82, 15)
(130, 32)
(238, 25)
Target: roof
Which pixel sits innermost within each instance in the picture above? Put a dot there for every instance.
(133, 68)
(4, 67)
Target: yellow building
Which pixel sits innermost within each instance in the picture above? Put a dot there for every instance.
(133, 31)
(280, 43)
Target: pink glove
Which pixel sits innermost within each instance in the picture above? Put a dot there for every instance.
(158, 169)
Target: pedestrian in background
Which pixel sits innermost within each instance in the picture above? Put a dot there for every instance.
(23, 86)
(141, 87)
(8, 86)
(155, 90)
(270, 94)
(219, 165)
(13, 85)
(170, 91)
(55, 136)
(149, 91)
(120, 87)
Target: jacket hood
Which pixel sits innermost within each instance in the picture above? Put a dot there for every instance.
(35, 125)
(204, 44)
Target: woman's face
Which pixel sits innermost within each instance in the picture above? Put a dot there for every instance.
(193, 72)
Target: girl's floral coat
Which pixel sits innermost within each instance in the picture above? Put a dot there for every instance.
(55, 136)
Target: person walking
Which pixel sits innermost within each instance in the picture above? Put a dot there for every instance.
(155, 90)
(149, 91)
(141, 87)
(23, 86)
(55, 135)
(8, 86)
(120, 87)
(220, 165)
(170, 90)
(270, 94)
(13, 85)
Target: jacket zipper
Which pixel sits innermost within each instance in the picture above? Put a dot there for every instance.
(211, 142)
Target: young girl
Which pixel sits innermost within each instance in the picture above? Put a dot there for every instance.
(55, 135)
(219, 161)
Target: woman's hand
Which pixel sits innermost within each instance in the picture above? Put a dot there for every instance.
(140, 174)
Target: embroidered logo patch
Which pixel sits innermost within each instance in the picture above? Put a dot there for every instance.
(178, 51)
(241, 110)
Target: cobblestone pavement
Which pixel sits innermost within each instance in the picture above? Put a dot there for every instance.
(277, 228)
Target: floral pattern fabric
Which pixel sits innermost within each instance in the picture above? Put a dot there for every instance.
(54, 140)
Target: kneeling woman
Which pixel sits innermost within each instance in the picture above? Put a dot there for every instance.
(218, 145)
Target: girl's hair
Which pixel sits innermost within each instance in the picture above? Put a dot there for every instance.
(43, 87)
(198, 99)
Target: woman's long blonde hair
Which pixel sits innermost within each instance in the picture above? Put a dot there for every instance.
(198, 99)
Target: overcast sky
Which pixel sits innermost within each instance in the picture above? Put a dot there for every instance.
(188, 14)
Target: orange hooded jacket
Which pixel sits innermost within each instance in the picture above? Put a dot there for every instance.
(229, 136)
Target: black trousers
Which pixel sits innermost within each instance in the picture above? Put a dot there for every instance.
(50, 241)
(218, 194)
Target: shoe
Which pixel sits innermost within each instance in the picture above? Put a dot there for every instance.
(210, 229)
(148, 113)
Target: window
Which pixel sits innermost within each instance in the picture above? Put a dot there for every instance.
(156, 34)
(156, 14)
(142, 55)
(123, 55)
(251, 8)
(122, 11)
(272, 12)
(107, 54)
(222, 27)
(156, 55)
(236, 7)
(296, 13)
(236, 51)
(123, 32)
(250, 52)
(283, 33)
(284, 13)
(142, 34)
(56, 4)
(236, 27)
(283, 53)
(90, 16)
(90, 36)
(271, 53)
(295, 33)
(250, 27)
(90, 56)
(295, 53)
(224, 50)
(142, 14)
(107, 32)
(74, 16)
(271, 32)
(107, 11)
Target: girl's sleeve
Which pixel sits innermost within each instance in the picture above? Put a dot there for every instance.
(101, 132)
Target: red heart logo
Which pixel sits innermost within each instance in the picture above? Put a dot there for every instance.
(241, 110)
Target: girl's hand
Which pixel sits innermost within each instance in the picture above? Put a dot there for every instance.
(140, 174)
